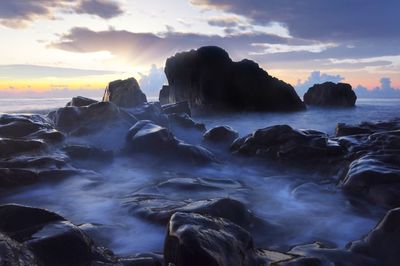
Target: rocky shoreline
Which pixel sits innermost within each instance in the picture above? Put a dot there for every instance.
(363, 160)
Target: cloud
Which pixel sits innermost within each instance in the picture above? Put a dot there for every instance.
(102, 8)
(316, 77)
(319, 20)
(225, 21)
(152, 82)
(147, 48)
(36, 71)
(385, 90)
(20, 13)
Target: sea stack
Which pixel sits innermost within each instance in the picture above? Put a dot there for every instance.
(331, 94)
(207, 78)
(124, 93)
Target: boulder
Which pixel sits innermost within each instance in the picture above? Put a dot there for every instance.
(330, 94)
(208, 78)
(177, 108)
(80, 101)
(86, 152)
(10, 147)
(124, 93)
(145, 136)
(283, 143)
(52, 239)
(15, 177)
(221, 134)
(343, 129)
(194, 239)
(183, 120)
(14, 253)
(149, 111)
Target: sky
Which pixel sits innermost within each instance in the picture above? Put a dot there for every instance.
(58, 47)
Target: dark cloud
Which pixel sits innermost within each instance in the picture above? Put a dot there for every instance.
(102, 8)
(19, 13)
(147, 48)
(35, 71)
(320, 20)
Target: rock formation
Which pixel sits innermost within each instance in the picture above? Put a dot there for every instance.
(124, 93)
(330, 94)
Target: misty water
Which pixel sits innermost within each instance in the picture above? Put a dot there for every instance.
(296, 206)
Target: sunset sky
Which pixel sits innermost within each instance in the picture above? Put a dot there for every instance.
(83, 44)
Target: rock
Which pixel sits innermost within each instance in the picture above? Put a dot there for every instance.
(193, 239)
(81, 101)
(183, 120)
(177, 108)
(52, 239)
(330, 94)
(90, 119)
(10, 147)
(14, 177)
(124, 93)
(207, 78)
(150, 111)
(145, 136)
(367, 127)
(221, 134)
(143, 259)
(86, 152)
(283, 143)
(383, 242)
(13, 253)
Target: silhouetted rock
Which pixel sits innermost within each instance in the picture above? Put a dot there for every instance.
(80, 101)
(330, 94)
(193, 239)
(221, 134)
(208, 78)
(124, 93)
(177, 108)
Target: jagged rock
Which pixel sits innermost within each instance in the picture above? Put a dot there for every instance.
(330, 94)
(367, 127)
(15, 146)
(81, 101)
(52, 239)
(177, 108)
(89, 119)
(124, 93)
(193, 239)
(221, 134)
(145, 136)
(281, 142)
(207, 78)
(14, 253)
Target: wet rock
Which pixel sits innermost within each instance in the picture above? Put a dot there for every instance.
(367, 127)
(177, 108)
(194, 239)
(16, 146)
(14, 177)
(89, 119)
(124, 93)
(86, 152)
(52, 239)
(208, 78)
(150, 111)
(143, 259)
(145, 136)
(221, 134)
(283, 143)
(14, 253)
(330, 94)
(80, 101)
(183, 120)
(52, 161)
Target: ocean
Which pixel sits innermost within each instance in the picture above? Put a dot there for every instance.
(306, 208)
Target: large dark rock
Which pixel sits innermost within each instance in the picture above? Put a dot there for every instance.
(221, 134)
(283, 143)
(208, 78)
(193, 239)
(89, 119)
(343, 129)
(52, 239)
(80, 101)
(330, 94)
(124, 93)
(15, 146)
(147, 137)
(14, 253)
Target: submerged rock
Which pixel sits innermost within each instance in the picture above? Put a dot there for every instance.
(221, 134)
(208, 78)
(194, 239)
(80, 101)
(124, 93)
(330, 94)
